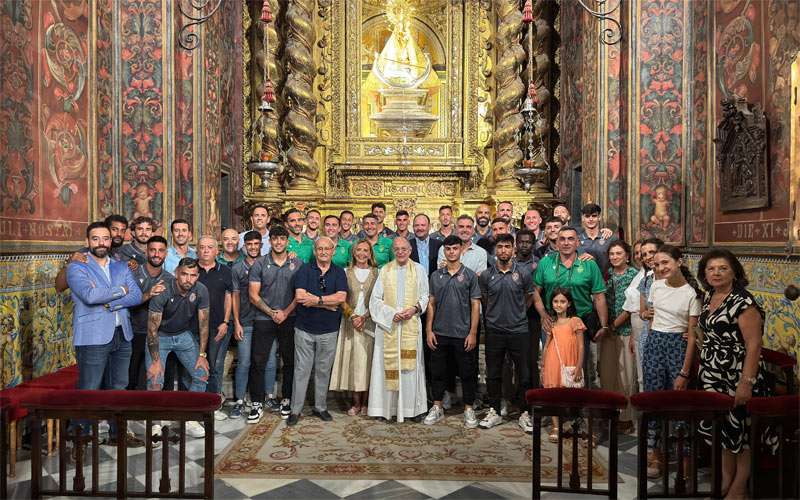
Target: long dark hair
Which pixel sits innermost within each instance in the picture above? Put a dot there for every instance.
(571, 311)
(739, 277)
(676, 254)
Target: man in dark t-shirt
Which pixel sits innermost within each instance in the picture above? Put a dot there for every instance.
(152, 279)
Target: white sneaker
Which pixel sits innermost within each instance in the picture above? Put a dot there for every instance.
(447, 400)
(434, 415)
(195, 429)
(470, 420)
(504, 408)
(102, 427)
(491, 419)
(220, 415)
(525, 423)
(255, 414)
(156, 432)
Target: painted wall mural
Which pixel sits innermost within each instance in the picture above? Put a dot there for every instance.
(755, 43)
(142, 97)
(571, 89)
(660, 111)
(44, 149)
(700, 133)
(184, 131)
(104, 90)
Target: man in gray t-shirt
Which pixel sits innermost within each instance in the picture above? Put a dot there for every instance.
(508, 291)
(172, 315)
(451, 327)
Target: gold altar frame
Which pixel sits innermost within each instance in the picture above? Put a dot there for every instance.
(369, 167)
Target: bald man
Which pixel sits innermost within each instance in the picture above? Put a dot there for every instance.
(218, 279)
(230, 254)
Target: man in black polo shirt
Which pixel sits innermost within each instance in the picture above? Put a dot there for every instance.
(271, 291)
(525, 242)
(152, 280)
(218, 279)
(320, 288)
(507, 290)
(172, 315)
(452, 325)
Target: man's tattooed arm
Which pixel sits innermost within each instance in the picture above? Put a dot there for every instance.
(153, 322)
(202, 317)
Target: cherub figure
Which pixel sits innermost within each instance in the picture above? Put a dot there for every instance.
(142, 196)
(660, 199)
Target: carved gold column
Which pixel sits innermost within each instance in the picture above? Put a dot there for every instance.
(299, 129)
(510, 92)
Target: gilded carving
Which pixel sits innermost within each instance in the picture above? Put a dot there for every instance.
(368, 188)
(510, 91)
(299, 125)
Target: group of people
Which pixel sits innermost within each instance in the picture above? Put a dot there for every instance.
(394, 318)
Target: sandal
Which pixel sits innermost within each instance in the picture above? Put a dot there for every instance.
(354, 410)
(553, 437)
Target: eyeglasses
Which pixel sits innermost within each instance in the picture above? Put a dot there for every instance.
(322, 285)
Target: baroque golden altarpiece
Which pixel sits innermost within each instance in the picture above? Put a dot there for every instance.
(414, 103)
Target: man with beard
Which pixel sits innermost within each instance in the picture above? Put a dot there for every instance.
(102, 291)
(401, 220)
(445, 223)
(551, 227)
(152, 280)
(483, 216)
(259, 218)
(346, 219)
(219, 282)
(172, 315)
(271, 294)
(181, 234)
(243, 316)
(472, 256)
(378, 209)
(499, 226)
(142, 229)
(381, 245)
(81, 255)
(300, 245)
(505, 210)
(230, 251)
(507, 290)
(313, 219)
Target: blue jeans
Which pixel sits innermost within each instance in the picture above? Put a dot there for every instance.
(187, 351)
(242, 373)
(104, 367)
(216, 359)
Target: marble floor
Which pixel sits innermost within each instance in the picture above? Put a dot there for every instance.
(228, 430)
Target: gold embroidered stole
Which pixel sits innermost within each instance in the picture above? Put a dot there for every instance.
(408, 331)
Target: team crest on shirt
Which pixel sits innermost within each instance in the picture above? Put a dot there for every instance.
(460, 278)
(192, 297)
(515, 276)
(291, 266)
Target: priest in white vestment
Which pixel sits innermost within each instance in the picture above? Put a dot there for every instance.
(397, 382)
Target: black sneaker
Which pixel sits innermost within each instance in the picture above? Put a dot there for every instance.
(286, 408)
(293, 419)
(322, 415)
(256, 413)
(272, 404)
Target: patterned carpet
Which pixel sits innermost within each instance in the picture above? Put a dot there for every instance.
(366, 448)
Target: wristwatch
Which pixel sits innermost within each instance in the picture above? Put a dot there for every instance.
(748, 380)
(203, 355)
(320, 300)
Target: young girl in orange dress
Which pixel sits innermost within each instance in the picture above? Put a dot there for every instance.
(564, 346)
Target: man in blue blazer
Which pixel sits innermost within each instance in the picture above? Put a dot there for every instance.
(102, 290)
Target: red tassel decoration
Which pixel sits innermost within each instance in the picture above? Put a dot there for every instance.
(266, 13)
(532, 91)
(527, 12)
(269, 92)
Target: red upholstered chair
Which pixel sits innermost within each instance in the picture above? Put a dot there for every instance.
(4, 411)
(690, 407)
(63, 379)
(783, 362)
(566, 404)
(14, 410)
(769, 479)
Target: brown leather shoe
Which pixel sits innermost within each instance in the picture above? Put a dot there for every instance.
(655, 464)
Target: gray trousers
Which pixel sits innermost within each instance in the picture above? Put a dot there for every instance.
(312, 352)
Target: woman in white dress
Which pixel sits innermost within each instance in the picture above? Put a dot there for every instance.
(352, 365)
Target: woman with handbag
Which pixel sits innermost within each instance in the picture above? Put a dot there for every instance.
(563, 352)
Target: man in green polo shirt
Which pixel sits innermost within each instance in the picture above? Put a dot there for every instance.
(584, 279)
(300, 245)
(381, 245)
(341, 253)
